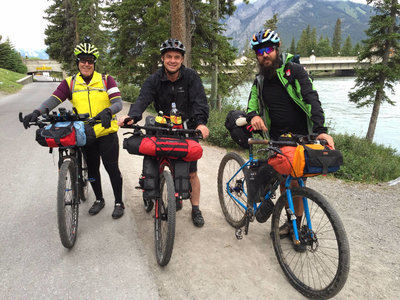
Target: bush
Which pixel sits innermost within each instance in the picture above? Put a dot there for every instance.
(365, 161)
(219, 135)
(129, 92)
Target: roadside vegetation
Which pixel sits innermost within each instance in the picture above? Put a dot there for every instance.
(363, 161)
(8, 81)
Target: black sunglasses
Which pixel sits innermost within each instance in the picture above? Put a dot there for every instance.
(90, 61)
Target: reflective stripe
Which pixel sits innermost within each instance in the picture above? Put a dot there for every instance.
(113, 90)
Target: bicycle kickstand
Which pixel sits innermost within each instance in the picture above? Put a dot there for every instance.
(249, 218)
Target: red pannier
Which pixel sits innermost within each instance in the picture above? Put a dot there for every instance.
(175, 148)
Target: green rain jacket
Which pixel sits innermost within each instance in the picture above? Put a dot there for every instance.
(299, 87)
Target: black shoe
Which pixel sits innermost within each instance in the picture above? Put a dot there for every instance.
(179, 205)
(264, 211)
(118, 210)
(96, 207)
(197, 218)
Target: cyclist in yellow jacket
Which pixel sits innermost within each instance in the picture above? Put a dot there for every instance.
(96, 94)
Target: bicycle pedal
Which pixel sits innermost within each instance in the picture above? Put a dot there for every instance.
(239, 234)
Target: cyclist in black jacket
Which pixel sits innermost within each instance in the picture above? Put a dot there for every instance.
(173, 82)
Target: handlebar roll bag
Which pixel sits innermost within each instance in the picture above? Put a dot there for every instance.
(175, 148)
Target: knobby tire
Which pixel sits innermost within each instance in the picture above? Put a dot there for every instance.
(321, 270)
(234, 214)
(67, 204)
(165, 222)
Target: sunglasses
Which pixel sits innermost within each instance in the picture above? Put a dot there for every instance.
(267, 50)
(90, 61)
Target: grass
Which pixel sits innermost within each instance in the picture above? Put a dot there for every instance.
(8, 81)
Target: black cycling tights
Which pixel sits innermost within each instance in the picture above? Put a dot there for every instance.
(106, 147)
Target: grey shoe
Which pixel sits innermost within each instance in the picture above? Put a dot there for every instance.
(96, 207)
(118, 210)
(197, 218)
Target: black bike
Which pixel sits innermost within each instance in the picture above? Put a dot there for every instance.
(72, 176)
(168, 191)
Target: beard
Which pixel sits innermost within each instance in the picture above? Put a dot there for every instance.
(269, 71)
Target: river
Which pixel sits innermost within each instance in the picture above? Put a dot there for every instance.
(342, 116)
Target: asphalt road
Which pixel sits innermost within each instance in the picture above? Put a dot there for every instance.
(107, 261)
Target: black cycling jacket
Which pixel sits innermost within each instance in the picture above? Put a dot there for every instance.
(187, 92)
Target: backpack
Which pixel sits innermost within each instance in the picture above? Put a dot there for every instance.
(240, 134)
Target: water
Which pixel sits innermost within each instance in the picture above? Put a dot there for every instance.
(342, 116)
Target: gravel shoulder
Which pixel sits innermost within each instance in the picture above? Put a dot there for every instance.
(210, 263)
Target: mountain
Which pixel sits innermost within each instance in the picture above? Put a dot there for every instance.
(36, 53)
(296, 15)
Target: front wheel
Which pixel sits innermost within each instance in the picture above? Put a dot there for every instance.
(233, 188)
(165, 211)
(317, 267)
(67, 204)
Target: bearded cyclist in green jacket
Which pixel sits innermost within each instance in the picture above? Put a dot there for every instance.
(283, 100)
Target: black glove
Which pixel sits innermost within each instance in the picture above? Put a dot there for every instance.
(105, 116)
(32, 117)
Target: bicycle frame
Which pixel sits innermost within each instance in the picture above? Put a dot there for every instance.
(288, 192)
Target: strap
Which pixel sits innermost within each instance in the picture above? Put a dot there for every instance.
(71, 86)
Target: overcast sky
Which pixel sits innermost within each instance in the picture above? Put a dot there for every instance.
(22, 21)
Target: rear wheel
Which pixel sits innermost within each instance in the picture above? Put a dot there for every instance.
(232, 189)
(165, 210)
(67, 204)
(318, 267)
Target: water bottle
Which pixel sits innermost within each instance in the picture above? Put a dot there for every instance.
(175, 116)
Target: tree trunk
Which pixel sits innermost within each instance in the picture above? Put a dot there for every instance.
(178, 22)
(374, 116)
(214, 76)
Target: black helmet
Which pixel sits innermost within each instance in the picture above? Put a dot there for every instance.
(172, 45)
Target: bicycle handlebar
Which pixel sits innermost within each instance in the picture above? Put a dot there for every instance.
(62, 116)
(194, 133)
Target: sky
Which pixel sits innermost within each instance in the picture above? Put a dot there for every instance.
(22, 21)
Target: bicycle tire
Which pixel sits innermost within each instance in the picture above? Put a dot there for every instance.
(67, 204)
(234, 214)
(84, 183)
(321, 270)
(165, 219)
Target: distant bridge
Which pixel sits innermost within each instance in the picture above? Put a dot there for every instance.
(43, 66)
(339, 64)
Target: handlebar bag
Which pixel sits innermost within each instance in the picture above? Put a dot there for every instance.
(175, 148)
(306, 160)
(315, 159)
(60, 134)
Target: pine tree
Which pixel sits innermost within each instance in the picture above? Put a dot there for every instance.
(347, 49)
(69, 22)
(337, 38)
(323, 47)
(271, 23)
(10, 59)
(303, 46)
(292, 48)
(382, 50)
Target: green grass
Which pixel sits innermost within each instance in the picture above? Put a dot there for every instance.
(8, 81)
(363, 161)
